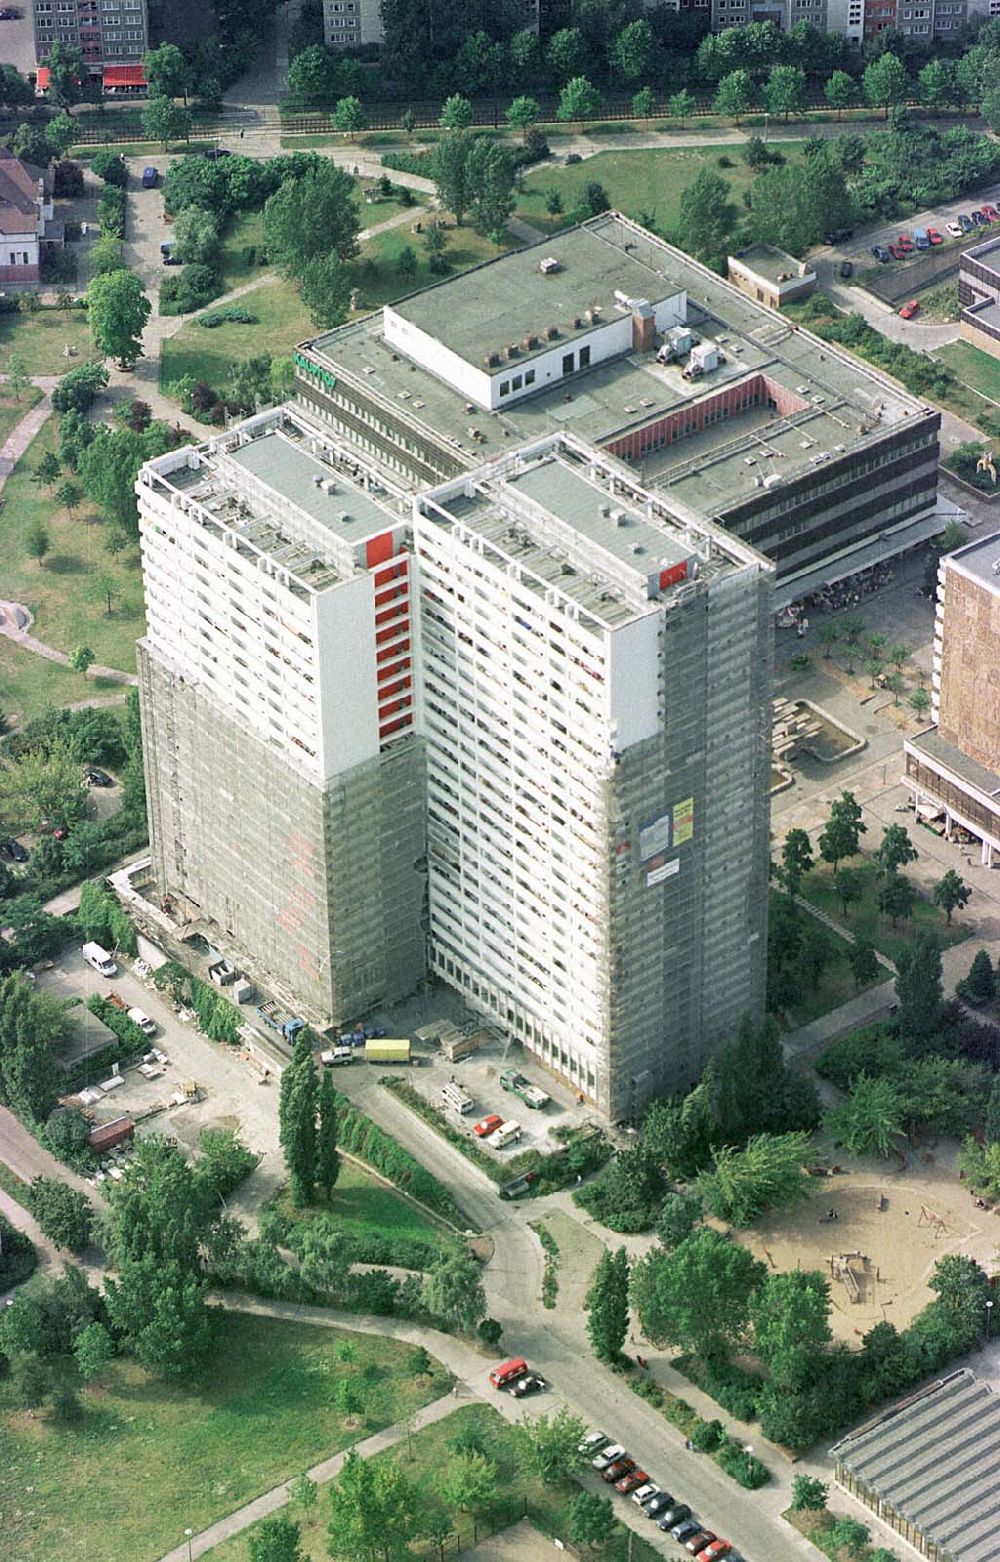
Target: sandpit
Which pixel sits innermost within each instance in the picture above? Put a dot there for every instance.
(879, 1252)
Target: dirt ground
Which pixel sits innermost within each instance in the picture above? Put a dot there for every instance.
(896, 1224)
(520, 1543)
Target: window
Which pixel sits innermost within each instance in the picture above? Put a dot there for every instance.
(569, 360)
(584, 357)
(516, 383)
(505, 387)
(529, 378)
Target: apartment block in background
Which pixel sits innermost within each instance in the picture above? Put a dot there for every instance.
(953, 769)
(106, 31)
(284, 777)
(594, 688)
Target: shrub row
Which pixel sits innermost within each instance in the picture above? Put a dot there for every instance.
(363, 1138)
(361, 1247)
(190, 288)
(231, 316)
(708, 1436)
(111, 210)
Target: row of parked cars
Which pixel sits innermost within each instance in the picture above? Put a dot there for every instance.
(614, 1465)
(905, 244)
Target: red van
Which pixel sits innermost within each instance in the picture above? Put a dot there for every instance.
(508, 1371)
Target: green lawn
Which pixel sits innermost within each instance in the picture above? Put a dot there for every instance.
(973, 367)
(245, 230)
(428, 1455)
(30, 685)
(11, 411)
(207, 355)
(360, 1201)
(40, 338)
(836, 985)
(66, 592)
(649, 180)
(284, 319)
(866, 921)
(151, 1458)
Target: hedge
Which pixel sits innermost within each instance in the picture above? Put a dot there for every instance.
(111, 211)
(358, 1134)
(133, 1041)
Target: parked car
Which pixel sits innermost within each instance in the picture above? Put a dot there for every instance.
(934, 236)
(979, 218)
(607, 1456)
(896, 252)
(13, 851)
(881, 253)
(966, 223)
(658, 1505)
(617, 1468)
(149, 177)
(677, 1513)
(594, 1442)
(846, 268)
(9, 13)
(955, 229)
(213, 153)
(991, 212)
(645, 1493)
(686, 1527)
(909, 310)
(905, 243)
(508, 1372)
(715, 1550)
(167, 254)
(531, 1383)
(572, 157)
(838, 235)
(141, 1018)
(487, 1125)
(95, 777)
(631, 1482)
(698, 1541)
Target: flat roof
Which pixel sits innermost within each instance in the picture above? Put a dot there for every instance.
(290, 492)
(980, 559)
(774, 264)
(506, 299)
(980, 252)
(956, 760)
(582, 525)
(843, 402)
(933, 1460)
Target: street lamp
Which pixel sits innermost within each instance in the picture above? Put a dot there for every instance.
(989, 1316)
(187, 1535)
(748, 1450)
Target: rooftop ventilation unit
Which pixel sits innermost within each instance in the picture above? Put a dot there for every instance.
(318, 479)
(549, 266)
(345, 517)
(772, 480)
(621, 517)
(551, 333)
(492, 360)
(594, 314)
(578, 322)
(329, 486)
(513, 350)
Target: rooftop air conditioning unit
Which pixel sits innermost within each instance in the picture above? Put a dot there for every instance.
(551, 332)
(549, 266)
(577, 322)
(329, 486)
(621, 517)
(513, 350)
(345, 517)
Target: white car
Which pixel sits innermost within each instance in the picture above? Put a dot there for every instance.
(608, 1456)
(644, 1493)
(594, 1441)
(145, 1024)
(954, 229)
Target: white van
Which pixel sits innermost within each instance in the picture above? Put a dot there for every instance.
(507, 1133)
(99, 959)
(145, 1024)
(337, 1057)
(453, 1095)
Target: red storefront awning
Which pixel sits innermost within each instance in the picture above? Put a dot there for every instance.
(124, 76)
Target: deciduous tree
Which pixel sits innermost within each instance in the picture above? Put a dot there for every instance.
(698, 1296)
(707, 218)
(117, 310)
(951, 893)
(871, 1119)
(308, 217)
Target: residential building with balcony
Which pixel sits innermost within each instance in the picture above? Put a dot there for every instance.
(283, 772)
(106, 31)
(953, 769)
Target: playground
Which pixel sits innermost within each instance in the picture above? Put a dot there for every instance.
(876, 1237)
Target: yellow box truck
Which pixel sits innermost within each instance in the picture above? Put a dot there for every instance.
(383, 1049)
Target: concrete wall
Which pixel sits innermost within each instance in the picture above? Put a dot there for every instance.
(969, 681)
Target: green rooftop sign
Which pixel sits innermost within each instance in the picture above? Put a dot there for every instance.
(313, 370)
